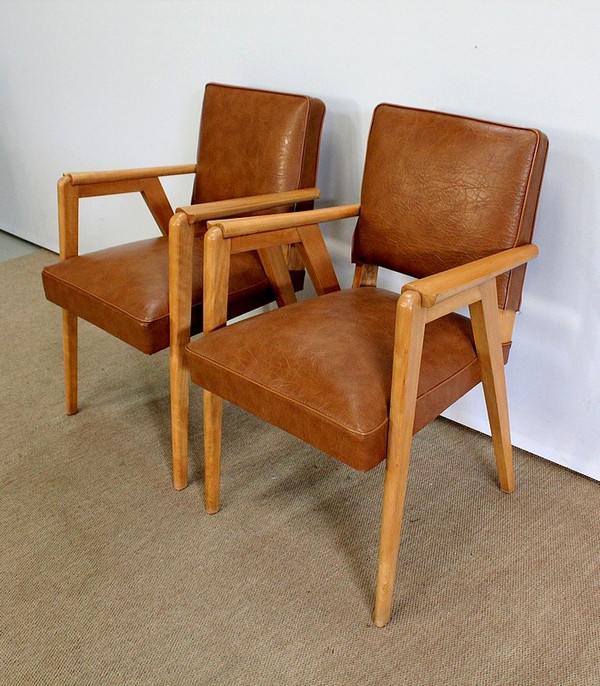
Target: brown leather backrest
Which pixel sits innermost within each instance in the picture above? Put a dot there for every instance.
(441, 190)
(255, 141)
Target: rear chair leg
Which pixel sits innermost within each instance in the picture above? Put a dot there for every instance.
(486, 331)
(70, 360)
(213, 416)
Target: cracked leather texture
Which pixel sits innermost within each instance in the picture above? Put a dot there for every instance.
(125, 290)
(322, 369)
(438, 191)
(254, 142)
(441, 190)
(251, 142)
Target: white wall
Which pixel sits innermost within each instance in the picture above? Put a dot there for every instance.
(102, 85)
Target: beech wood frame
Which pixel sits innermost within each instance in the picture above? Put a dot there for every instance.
(421, 301)
(179, 227)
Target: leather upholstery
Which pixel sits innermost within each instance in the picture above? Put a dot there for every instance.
(254, 142)
(251, 142)
(438, 191)
(322, 370)
(125, 290)
(445, 191)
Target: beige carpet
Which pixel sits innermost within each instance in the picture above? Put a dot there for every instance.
(108, 576)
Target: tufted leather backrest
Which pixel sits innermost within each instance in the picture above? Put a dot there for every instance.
(441, 190)
(255, 141)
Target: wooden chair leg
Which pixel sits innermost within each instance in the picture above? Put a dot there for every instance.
(394, 491)
(213, 416)
(70, 360)
(217, 254)
(486, 331)
(180, 398)
(410, 328)
(181, 246)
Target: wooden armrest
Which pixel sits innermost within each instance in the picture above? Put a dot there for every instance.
(73, 186)
(253, 203)
(244, 226)
(84, 178)
(439, 287)
(265, 234)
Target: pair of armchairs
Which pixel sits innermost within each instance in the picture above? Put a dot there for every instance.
(448, 200)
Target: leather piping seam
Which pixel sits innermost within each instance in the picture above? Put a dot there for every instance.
(360, 434)
(492, 123)
(97, 298)
(304, 145)
(307, 101)
(312, 410)
(461, 116)
(303, 153)
(523, 205)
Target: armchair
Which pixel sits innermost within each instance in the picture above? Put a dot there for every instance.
(257, 151)
(356, 373)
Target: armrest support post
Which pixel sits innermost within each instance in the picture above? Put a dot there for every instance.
(217, 258)
(156, 199)
(301, 228)
(488, 341)
(68, 218)
(75, 185)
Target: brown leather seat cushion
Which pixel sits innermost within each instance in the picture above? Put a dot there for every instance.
(322, 369)
(124, 290)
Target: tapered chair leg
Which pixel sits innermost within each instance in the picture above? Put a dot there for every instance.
(70, 360)
(394, 491)
(213, 419)
(408, 346)
(486, 331)
(180, 398)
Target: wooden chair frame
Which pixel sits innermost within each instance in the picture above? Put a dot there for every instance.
(179, 227)
(421, 301)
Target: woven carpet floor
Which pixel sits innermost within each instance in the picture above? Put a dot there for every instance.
(108, 576)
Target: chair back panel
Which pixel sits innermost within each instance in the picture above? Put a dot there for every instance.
(442, 190)
(254, 142)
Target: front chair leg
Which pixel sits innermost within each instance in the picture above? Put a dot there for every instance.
(181, 248)
(408, 346)
(70, 360)
(180, 398)
(394, 491)
(486, 331)
(213, 416)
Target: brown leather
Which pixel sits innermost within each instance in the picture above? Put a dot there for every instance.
(125, 290)
(251, 142)
(322, 370)
(441, 190)
(254, 142)
(438, 192)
